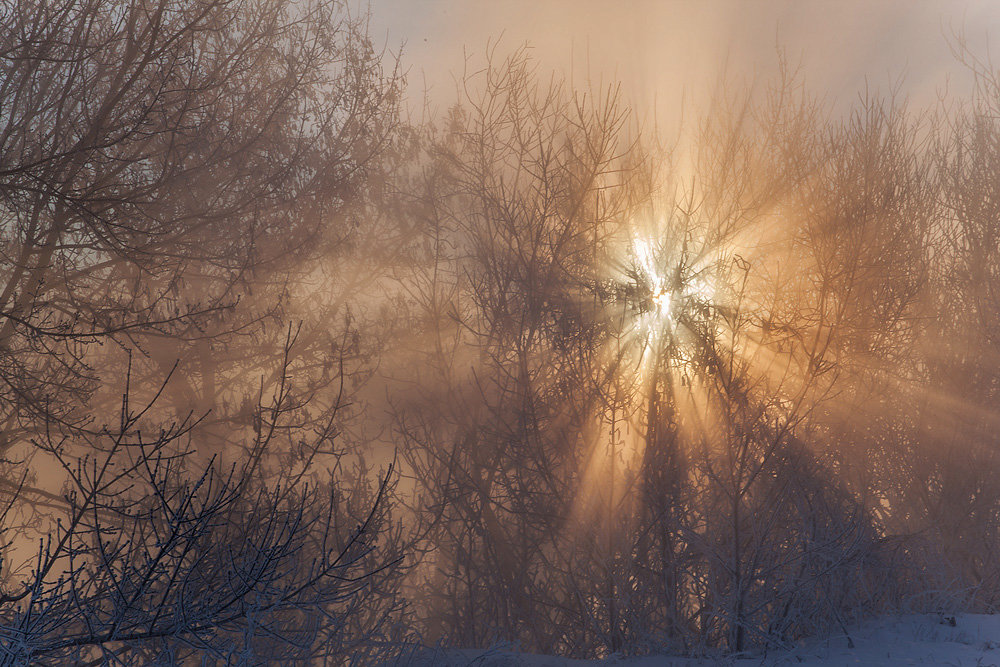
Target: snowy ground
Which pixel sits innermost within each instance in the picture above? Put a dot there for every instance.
(911, 640)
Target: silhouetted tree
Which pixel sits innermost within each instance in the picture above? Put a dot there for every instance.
(171, 173)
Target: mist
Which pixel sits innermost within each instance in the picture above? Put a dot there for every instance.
(670, 57)
(432, 333)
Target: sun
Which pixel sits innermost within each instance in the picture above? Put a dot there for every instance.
(670, 288)
(662, 301)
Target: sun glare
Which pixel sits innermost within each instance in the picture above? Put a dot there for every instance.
(668, 290)
(662, 301)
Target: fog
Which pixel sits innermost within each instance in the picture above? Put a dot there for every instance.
(398, 334)
(672, 55)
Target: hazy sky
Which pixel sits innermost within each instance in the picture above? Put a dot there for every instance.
(664, 51)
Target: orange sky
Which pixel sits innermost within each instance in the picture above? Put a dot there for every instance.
(665, 51)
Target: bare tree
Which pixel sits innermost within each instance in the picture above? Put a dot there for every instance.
(159, 158)
(526, 181)
(170, 175)
(652, 387)
(146, 562)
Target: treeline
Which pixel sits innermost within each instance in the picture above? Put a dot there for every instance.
(286, 377)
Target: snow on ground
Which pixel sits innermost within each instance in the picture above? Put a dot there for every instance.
(910, 640)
